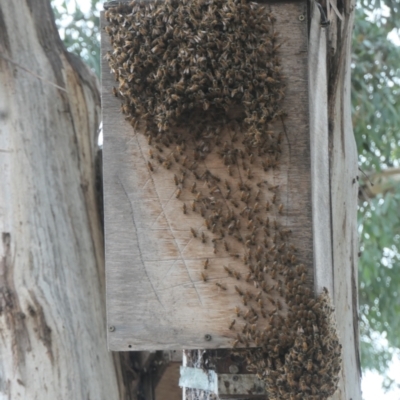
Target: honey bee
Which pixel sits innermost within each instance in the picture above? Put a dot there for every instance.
(184, 208)
(193, 232)
(232, 324)
(237, 275)
(220, 285)
(226, 245)
(150, 166)
(239, 291)
(178, 193)
(204, 277)
(228, 270)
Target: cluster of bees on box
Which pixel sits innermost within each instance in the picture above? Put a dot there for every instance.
(201, 78)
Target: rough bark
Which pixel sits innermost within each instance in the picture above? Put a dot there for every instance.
(52, 318)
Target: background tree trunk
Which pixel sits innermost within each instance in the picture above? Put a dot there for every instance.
(52, 318)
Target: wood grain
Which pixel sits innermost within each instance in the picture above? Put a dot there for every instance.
(156, 298)
(335, 249)
(319, 136)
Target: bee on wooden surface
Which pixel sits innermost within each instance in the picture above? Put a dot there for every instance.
(150, 166)
(239, 291)
(237, 275)
(204, 277)
(220, 285)
(228, 270)
(184, 208)
(178, 193)
(193, 232)
(232, 324)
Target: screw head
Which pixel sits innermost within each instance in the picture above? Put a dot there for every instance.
(301, 17)
(235, 378)
(207, 337)
(233, 369)
(111, 328)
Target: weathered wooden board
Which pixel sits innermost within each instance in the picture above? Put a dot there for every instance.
(319, 137)
(156, 298)
(335, 204)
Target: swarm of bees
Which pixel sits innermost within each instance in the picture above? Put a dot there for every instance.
(181, 63)
(203, 77)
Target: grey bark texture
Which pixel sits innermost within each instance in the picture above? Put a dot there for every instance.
(52, 314)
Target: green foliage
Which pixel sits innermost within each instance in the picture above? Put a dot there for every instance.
(376, 120)
(379, 278)
(376, 93)
(80, 31)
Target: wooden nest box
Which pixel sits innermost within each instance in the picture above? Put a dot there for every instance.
(219, 218)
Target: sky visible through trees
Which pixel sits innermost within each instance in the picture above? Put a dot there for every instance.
(376, 120)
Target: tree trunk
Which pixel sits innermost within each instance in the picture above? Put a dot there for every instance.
(52, 314)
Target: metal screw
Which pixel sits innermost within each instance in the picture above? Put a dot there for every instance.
(111, 328)
(235, 378)
(301, 17)
(233, 369)
(259, 389)
(207, 337)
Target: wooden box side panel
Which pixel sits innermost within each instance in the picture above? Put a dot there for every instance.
(334, 207)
